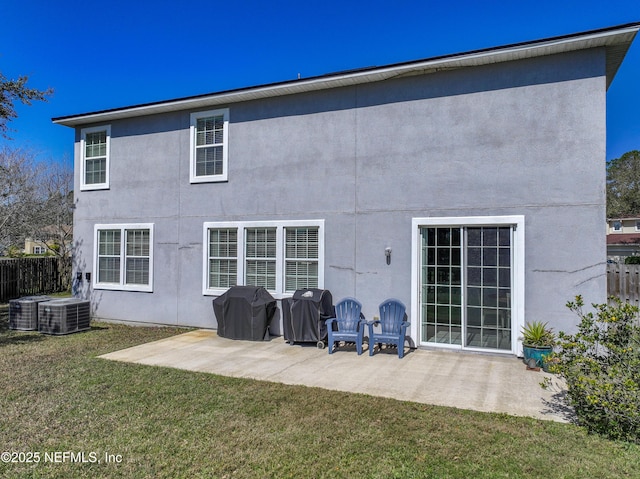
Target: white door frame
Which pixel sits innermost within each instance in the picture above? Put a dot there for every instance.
(517, 222)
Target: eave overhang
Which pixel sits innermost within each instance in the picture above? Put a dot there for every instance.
(615, 40)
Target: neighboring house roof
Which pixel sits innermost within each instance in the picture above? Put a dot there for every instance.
(623, 239)
(624, 218)
(616, 41)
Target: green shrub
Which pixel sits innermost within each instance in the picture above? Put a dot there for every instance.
(15, 252)
(632, 260)
(601, 366)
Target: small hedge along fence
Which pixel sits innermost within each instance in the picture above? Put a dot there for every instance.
(601, 365)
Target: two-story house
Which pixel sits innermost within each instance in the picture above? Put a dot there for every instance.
(455, 184)
(623, 238)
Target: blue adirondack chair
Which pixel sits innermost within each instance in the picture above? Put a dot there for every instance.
(393, 327)
(349, 324)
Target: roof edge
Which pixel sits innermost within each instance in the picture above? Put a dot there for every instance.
(620, 36)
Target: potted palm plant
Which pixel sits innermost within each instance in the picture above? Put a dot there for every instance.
(538, 341)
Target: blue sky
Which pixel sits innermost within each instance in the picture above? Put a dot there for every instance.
(101, 55)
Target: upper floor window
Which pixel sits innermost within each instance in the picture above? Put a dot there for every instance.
(637, 225)
(95, 145)
(617, 225)
(209, 146)
(124, 257)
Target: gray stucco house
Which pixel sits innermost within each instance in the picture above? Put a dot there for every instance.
(475, 170)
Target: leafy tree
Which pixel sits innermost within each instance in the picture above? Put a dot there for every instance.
(623, 186)
(12, 91)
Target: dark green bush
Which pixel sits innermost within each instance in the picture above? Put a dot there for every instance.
(632, 260)
(601, 365)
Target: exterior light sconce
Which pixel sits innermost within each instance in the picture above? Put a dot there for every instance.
(79, 277)
(88, 277)
(387, 253)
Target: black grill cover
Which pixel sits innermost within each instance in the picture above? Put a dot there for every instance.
(244, 312)
(304, 315)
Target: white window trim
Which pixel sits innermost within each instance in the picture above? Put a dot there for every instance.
(518, 271)
(225, 147)
(279, 292)
(83, 135)
(122, 286)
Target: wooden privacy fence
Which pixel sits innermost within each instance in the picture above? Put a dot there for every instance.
(623, 281)
(30, 276)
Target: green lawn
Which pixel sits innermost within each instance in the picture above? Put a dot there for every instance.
(156, 422)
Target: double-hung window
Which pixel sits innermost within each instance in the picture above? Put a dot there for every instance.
(223, 257)
(124, 257)
(95, 146)
(301, 257)
(261, 257)
(209, 146)
(280, 256)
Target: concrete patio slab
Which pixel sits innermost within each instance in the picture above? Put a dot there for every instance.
(487, 383)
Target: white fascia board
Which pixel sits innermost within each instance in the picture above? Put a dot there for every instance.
(621, 38)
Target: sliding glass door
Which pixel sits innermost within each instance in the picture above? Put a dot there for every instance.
(465, 286)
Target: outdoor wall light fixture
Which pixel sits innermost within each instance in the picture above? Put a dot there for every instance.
(387, 253)
(87, 276)
(79, 277)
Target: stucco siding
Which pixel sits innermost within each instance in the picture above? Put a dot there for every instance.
(516, 138)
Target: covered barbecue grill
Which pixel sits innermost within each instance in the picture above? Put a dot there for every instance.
(244, 312)
(304, 316)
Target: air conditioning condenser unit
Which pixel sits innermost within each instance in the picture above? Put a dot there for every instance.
(23, 312)
(64, 316)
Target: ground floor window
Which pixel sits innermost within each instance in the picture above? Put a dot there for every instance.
(261, 257)
(123, 257)
(223, 257)
(302, 253)
(280, 256)
(468, 290)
